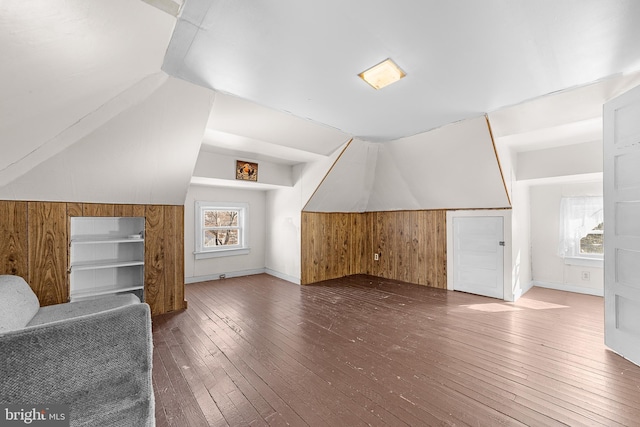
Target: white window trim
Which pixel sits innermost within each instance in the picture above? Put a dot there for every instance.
(585, 261)
(241, 249)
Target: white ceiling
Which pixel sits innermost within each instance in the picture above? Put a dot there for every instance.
(86, 114)
(463, 59)
(63, 59)
(285, 76)
(241, 128)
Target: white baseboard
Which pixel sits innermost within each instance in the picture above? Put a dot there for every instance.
(282, 276)
(569, 288)
(230, 274)
(521, 291)
(227, 274)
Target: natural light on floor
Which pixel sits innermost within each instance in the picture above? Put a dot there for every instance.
(494, 307)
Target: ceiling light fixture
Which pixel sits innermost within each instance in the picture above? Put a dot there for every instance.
(382, 74)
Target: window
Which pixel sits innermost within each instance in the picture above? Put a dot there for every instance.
(221, 229)
(593, 242)
(581, 229)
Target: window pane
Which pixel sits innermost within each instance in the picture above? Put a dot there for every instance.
(213, 238)
(220, 218)
(592, 243)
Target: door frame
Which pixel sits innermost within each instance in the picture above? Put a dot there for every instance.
(506, 223)
(616, 144)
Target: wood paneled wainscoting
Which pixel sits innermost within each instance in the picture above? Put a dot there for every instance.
(412, 246)
(34, 244)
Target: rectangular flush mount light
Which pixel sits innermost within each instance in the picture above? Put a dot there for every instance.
(383, 74)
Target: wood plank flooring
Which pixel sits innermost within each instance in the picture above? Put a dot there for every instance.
(257, 351)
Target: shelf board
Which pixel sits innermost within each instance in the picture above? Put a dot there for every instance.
(96, 265)
(83, 240)
(105, 290)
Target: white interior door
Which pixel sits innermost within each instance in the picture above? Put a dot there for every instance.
(622, 224)
(478, 255)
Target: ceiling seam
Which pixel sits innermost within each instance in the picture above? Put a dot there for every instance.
(327, 174)
(495, 150)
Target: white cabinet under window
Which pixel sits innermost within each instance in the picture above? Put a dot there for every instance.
(106, 256)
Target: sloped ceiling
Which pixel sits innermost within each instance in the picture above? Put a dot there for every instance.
(145, 154)
(410, 174)
(77, 73)
(463, 59)
(86, 112)
(347, 186)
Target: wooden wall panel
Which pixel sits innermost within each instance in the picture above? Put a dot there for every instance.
(441, 250)
(48, 251)
(74, 209)
(98, 209)
(415, 237)
(310, 250)
(361, 249)
(180, 303)
(343, 244)
(154, 250)
(34, 244)
(169, 265)
(139, 210)
(173, 262)
(370, 245)
(327, 249)
(426, 239)
(411, 244)
(308, 241)
(123, 210)
(14, 255)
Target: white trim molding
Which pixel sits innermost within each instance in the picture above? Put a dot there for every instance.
(242, 248)
(294, 280)
(567, 287)
(240, 273)
(227, 275)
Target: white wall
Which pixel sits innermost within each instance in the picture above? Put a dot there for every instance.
(575, 159)
(348, 186)
(521, 239)
(548, 268)
(452, 167)
(139, 149)
(237, 265)
(284, 207)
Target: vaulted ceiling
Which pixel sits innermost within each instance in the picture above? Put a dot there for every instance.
(463, 59)
(92, 90)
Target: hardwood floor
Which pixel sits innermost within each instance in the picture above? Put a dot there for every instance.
(257, 350)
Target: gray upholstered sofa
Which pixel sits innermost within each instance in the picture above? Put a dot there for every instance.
(93, 355)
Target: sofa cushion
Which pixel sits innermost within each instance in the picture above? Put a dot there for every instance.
(18, 303)
(99, 364)
(54, 313)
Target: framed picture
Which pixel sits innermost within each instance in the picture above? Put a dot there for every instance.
(246, 171)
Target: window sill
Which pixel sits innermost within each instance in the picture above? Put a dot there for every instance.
(222, 253)
(584, 261)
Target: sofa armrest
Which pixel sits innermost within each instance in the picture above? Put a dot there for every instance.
(56, 312)
(99, 364)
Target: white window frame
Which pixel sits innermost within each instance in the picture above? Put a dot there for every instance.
(242, 248)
